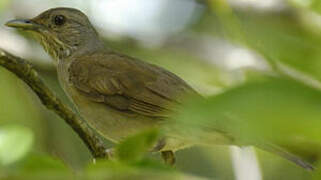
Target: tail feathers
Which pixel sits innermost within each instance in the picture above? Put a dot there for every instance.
(287, 155)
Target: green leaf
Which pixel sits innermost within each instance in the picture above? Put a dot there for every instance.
(105, 170)
(279, 38)
(134, 147)
(314, 5)
(273, 108)
(4, 4)
(36, 166)
(15, 143)
(42, 163)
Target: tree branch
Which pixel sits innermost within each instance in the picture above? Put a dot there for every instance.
(29, 75)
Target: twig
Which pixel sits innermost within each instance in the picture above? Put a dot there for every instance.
(29, 75)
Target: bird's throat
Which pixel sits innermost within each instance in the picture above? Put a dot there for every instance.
(57, 49)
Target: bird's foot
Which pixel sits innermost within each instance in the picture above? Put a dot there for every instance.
(168, 157)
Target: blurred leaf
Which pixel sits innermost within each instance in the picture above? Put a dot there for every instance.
(314, 5)
(15, 142)
(278, 37)
(16, 105)
(41, 163)
(144, 170)
(273, 108)
(4, 4)
(37, 166)
(134, 147)
(118, 167)
(283, 39)
(227, 18)
(317, 174)
(103, 169)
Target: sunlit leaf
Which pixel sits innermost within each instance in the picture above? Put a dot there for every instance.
(15, 142)
(4, 4)
(314, 5)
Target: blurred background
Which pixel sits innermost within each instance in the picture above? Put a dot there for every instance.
(214, 45)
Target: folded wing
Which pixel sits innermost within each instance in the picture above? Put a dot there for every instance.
(128, 84)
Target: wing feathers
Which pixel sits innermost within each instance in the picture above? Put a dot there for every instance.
(128, 84)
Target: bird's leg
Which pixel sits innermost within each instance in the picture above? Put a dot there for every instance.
(168, 157)
(110, 153)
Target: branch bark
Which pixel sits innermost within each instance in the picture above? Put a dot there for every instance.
(24, 70)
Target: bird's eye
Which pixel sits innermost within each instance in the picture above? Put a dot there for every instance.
(59, 20)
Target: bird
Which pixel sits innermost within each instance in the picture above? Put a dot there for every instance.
(116, 94)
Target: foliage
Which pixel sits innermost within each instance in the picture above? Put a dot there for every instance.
(281, 105)
(128, 164)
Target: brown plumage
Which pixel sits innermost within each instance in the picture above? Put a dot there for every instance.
(127, 84)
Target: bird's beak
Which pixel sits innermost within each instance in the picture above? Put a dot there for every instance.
(25, 24)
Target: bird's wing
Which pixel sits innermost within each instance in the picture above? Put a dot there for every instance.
(128, 84)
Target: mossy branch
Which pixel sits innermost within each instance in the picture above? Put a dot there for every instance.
(24, 70)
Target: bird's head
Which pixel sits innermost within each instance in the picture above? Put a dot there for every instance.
(61, 31)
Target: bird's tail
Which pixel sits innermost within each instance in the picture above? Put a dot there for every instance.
(285, 154)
